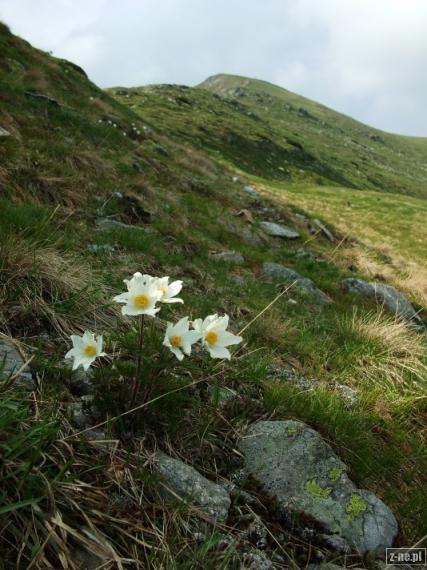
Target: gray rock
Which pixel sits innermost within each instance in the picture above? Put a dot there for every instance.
(4, 132)
(251, 191)
(251, 238)
(278, 230)
(388, 296)
(348, 394)
(335, 542)
(80, 417)
(229, 257)
(222, 393)
(191, 486)
(80, 381)
(299, 469)
(277, 272)
(257, 560)
(10, 362)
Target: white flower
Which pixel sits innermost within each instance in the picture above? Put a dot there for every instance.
(179, 338)
(215, 337)
(85, 349)
(168, 291)
(141, 297)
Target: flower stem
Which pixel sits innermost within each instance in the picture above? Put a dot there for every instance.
(137, 384)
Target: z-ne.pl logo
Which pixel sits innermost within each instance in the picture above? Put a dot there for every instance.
(396, 556)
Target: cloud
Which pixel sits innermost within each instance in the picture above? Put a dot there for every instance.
(364, 58)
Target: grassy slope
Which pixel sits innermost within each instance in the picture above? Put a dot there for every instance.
(56, 171)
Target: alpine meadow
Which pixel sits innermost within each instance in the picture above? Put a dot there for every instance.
(213, 312)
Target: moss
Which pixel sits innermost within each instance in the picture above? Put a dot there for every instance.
(335, 473)
(356, 506)
(291, 431)
(316, 490)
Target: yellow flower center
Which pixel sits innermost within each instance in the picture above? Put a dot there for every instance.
(141, 301)
(89, 350)
(211, 338)
(176, 341)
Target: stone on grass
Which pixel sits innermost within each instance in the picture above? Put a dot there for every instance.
(229, 257)
(278, 230)
(11, 362)
(191, 486)
(277, 272)
(251, 191)
(298, 469)
(4, 132)
(388, 296)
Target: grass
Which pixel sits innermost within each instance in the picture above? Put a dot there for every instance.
(177, 183)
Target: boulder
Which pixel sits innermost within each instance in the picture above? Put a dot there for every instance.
(277, 272)
(388, 296)
(11, 362)
(184, 481)
(278, 230)
(229, 257)
(298, 469)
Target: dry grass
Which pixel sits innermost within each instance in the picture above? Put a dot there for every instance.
(398, 358)
(41, 288)
(381, 263)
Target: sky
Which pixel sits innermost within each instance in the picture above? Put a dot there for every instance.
(365, 58)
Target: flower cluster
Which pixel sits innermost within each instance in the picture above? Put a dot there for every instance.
(144, 293)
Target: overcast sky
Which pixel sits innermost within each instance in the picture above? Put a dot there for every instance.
(366, 58)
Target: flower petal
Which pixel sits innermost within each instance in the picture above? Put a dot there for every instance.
(226, 338)
(219, 352)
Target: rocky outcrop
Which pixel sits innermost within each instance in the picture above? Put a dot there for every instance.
(184, 481)
(278, 230)
(12, 363)
(388, 296)
(297, 468)
(277, 272)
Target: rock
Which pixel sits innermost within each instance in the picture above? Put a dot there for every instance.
(80, 382)
(229, 257)
(289, 374)
(4, 132)
(80, 417)
(349, 395)
(277, 272)
(335, 542)
(10, 362)
(221, 394)
(277, 230)
(387, 296)
(42, 97)
(324, 230)
(251, 238)
(106, 224)
(257, 560)
(191, 486)
(251, 191)
(297, 468)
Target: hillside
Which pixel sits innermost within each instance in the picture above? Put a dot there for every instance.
(268, 131)
(189, 182)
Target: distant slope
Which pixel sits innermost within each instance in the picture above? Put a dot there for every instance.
(366, 157)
